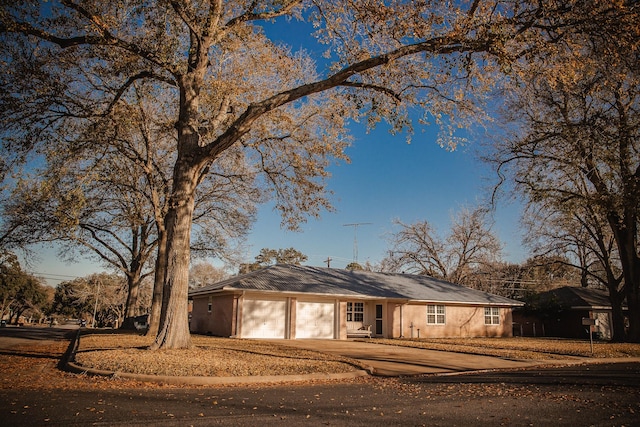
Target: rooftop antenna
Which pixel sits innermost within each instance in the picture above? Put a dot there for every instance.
(355, 237)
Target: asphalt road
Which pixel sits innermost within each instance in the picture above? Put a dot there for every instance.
(579, 395)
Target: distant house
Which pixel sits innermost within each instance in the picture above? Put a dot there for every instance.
(559, 313)
(292, 302)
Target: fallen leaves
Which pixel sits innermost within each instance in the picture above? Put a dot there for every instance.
(210, 356)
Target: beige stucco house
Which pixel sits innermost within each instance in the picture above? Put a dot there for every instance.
(293, 302)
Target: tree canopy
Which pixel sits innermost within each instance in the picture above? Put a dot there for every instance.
(268, 257)
(20, 292)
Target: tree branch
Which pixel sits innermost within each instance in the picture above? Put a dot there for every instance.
(251, 16)
(376, 88)
(130, 81)
(242, 125)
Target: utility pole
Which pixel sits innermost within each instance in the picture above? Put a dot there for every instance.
(355, 237)
(328, 261)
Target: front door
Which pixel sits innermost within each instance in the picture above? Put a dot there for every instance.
(378, 319)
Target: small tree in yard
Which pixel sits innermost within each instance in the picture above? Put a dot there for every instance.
(69, 63)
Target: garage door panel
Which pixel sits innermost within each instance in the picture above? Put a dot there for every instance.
(263, 318)
(315, 320)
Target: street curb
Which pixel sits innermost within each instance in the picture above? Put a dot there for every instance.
(165, 379)
(71, 366)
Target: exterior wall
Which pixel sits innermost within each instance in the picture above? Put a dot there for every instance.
(604, 328)
(219, 322)
(398, 319)
(394, 321)
(342, 320)
(410, 321)
(293, 312)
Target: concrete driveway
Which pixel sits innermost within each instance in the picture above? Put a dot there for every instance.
(389, 360)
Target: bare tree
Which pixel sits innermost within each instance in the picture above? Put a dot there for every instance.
(111, 204)
(470, 245)
(101, 297)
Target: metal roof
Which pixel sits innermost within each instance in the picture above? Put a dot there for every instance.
(361, 284)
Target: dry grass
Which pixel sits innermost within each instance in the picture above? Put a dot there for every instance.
(523, 348)
(221, 357)
(224, 357)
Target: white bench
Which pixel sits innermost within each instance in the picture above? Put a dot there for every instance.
(362, 332)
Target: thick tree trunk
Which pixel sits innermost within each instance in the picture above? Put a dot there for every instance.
(173, 330)
(158, 283)
(617, 316)
(625, 236)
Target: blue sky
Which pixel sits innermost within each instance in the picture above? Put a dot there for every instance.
(387, 179)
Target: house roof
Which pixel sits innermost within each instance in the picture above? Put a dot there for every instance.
(361, 284)
(579, 298)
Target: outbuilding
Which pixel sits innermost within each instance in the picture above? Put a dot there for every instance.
(293, 302)
(561, 312)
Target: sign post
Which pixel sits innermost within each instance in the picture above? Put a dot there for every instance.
(587, 321)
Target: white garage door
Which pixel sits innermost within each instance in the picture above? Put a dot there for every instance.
(315, 320)
(263, 318)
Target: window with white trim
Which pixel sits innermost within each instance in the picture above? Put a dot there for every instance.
(355, 312)
(436, 315)
(210, 305)
(491, 316)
